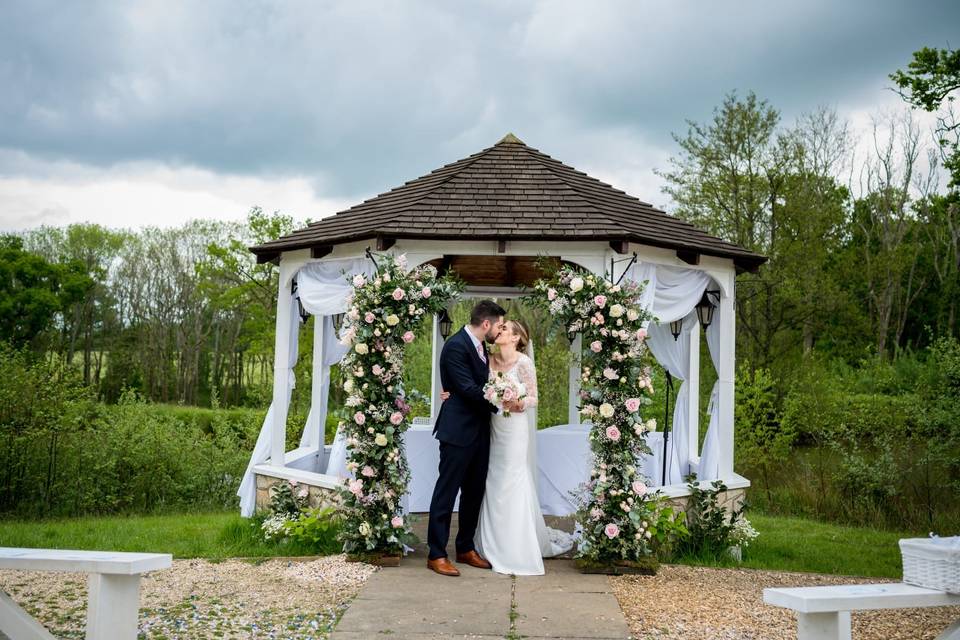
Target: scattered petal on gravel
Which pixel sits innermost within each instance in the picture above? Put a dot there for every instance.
(277, 598)
(698, 603)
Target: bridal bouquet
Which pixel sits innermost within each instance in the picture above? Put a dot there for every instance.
(501, 390)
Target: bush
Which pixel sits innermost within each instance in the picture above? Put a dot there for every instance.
(713, 531)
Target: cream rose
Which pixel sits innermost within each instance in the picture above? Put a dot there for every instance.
(392, 320)
(606, 410)
(362, 348)
(576, 284)
(380, 440)
(616, 310)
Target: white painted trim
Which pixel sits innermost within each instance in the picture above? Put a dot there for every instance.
(435, 383)
(733, 481)
(306, 477)
(318, 409)
(573, 385)
(290, 263)
(693, 395)
(726, 373)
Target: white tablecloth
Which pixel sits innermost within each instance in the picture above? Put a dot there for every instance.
(563, 460)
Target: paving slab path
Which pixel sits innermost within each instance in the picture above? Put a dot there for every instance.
(412, 602)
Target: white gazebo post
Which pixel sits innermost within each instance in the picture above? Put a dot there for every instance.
(318, 407)
(573, 414)
(693, 396)
(725, 376)
(289, 264)
(435, 383)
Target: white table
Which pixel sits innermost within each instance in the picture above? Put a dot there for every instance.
(823, 613)
(113, 589)
(563, 462)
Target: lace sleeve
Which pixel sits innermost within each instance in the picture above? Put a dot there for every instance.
(528, 376)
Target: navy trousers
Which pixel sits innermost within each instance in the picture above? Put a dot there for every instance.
(463, 470)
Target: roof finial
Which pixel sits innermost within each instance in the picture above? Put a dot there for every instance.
(510, 139)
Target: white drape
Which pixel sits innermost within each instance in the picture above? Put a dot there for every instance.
(324, 288)
(671, 293)
(710, 455)
(261, 450)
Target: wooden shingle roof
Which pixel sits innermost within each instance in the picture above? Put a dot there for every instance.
(508, 192)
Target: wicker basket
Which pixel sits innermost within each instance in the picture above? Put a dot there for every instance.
(933, 563)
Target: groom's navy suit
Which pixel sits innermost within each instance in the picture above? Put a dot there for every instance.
(463, 429)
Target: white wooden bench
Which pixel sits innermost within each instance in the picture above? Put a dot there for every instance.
(823, 613)
(113, 589)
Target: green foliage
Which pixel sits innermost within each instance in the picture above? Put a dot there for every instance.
(316, 528)
(931, 79)
(762, 440)
(712, 529)
(33, 291)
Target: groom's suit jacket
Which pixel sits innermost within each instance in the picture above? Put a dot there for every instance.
(465, 415)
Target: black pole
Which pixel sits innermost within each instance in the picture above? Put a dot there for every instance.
(666, 425)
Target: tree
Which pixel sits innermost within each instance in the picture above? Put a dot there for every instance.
(34, 291)
(932, 78)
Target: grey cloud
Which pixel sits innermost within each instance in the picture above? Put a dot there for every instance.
(364, 95)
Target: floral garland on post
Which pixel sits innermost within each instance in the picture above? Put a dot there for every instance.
(382, 315)
(622, 522)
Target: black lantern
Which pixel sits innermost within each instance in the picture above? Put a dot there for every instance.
(304, 314)
(338, 321)
(705, 308)
(446, 324)
(676, 327)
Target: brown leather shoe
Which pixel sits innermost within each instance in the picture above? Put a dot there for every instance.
(473, 559)
(443, 566)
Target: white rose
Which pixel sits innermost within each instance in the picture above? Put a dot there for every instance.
(348, 385)
(392, 320)
(616, 311)
(362, 348)
(364, 529)
(632, 314)
(652, 424)
(576, 284)
(381, 440)
(359, 280)
(606, 410)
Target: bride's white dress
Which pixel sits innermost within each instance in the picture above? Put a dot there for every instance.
(511, 533)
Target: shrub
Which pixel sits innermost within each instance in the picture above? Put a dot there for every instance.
(713, 531)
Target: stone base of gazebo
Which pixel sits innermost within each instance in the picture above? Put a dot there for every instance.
(323, 488)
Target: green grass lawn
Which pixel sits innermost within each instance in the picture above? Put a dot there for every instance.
(189, 535)
(787, 544)
(795, 544)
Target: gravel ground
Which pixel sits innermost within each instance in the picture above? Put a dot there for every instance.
(696, 603)
(196, 599)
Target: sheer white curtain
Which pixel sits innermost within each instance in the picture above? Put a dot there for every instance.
(671, 294)
(323, 288)
(261, 450)
(710, 455)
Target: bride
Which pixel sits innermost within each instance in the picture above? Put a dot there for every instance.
(512, 534)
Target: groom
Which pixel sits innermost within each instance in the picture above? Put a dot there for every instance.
(463, 429)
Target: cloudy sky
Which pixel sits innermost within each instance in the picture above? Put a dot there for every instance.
(138, 113)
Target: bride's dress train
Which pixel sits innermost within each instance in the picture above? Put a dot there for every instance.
(511, 533)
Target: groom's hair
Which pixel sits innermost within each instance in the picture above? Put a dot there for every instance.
(486, 310)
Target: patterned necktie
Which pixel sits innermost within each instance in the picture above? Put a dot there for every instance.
(480, 352)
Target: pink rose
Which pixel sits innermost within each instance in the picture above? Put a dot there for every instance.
(359, 418)
(356, 487)
(396, 418)
(611, 530)
(596, 347)
(613, 433)
(508, 394)
(595, 513)
(610, 374)
(641, 334)
(632, 404)
(369, 317)
(551, 294)
(639, 488)
(408, 337)
(368, 472)
(490, 394)
(398, 294)
(426, 293)
(600, 300)
(376, 369)
(397, 522)
(359, 280)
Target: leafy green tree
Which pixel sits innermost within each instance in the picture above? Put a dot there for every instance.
(932, 78)
(34, 291)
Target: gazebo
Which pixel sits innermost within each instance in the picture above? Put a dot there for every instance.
(489, 217)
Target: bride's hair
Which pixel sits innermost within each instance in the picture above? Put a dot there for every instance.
(519, 330)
